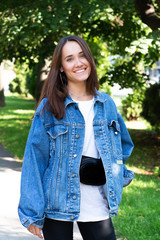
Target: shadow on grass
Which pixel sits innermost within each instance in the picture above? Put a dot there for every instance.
(146, 153)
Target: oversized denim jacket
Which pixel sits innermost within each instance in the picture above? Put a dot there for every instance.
(50, 185)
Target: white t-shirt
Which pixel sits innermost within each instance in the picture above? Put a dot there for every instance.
(94, 204)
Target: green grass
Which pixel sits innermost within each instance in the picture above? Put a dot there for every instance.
(15, 121)
(139, 212)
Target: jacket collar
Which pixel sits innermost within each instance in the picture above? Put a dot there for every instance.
(99, 96)
(68, 101)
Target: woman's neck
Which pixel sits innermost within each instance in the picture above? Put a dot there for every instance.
(79, 92)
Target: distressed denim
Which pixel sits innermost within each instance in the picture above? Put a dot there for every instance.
(50, 185)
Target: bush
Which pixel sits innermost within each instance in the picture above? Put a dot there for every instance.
(25, 81)
(14, 86)
(150, 105)
(18, 84)
(132, 105)
(156, 171)
(31, 78)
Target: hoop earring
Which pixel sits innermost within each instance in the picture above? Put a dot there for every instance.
(61, 78)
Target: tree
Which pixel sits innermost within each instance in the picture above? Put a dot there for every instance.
(151, 111)
(148, 13)
(30, 30)
(2, 99)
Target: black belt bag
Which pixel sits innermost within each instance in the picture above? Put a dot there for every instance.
(92, 171)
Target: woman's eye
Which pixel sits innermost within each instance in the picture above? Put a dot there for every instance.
(69, 59)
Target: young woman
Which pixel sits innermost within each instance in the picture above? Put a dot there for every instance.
(73, 168)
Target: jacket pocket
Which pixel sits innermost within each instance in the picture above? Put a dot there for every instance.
(115, 134)
(58, 140)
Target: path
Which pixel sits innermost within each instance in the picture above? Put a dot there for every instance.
(10, 226)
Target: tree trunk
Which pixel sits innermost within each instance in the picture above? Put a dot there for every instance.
(147, 12)
(42, 71)
(2, 98)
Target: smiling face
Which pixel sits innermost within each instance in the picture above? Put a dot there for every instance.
(74, 63)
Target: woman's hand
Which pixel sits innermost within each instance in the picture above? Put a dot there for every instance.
(35, 231)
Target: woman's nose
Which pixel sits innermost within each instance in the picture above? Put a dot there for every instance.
(78, 62)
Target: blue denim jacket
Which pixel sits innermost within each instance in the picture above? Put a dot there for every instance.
(50, 185)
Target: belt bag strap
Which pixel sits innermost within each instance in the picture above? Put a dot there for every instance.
(92, 171)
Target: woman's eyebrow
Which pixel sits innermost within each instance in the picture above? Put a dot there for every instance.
(68, 56)
(72, 55)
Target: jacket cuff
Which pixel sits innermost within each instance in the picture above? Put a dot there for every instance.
(26, 220)
(38, 223)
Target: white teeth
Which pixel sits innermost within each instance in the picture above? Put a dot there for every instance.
(79, 71)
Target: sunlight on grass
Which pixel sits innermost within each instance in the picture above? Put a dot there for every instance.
(139, 124)
(139, 170)
(22, 111)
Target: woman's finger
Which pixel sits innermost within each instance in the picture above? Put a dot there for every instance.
(39, 232)
(35, 231)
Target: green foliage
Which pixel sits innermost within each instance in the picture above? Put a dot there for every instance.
(30, 30)
(131, 108)
(18, 84)
(31, 78)
(15, 86)
(25, 82)
(106, 88)
(156, 171)
(126, 74)
(132, 104)
(151, 103)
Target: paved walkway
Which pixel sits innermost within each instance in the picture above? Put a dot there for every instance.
(10, 226)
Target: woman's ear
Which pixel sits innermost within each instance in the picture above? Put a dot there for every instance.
(61, 69)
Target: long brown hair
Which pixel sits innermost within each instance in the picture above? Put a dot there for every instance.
(55, 86)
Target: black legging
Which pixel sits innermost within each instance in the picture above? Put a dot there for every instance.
(63, 230)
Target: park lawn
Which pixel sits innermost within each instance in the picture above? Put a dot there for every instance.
(139, 212)
(15, 122)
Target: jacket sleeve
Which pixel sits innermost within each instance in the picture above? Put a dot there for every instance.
(127, 147)
(36, 157)
(127, 144)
